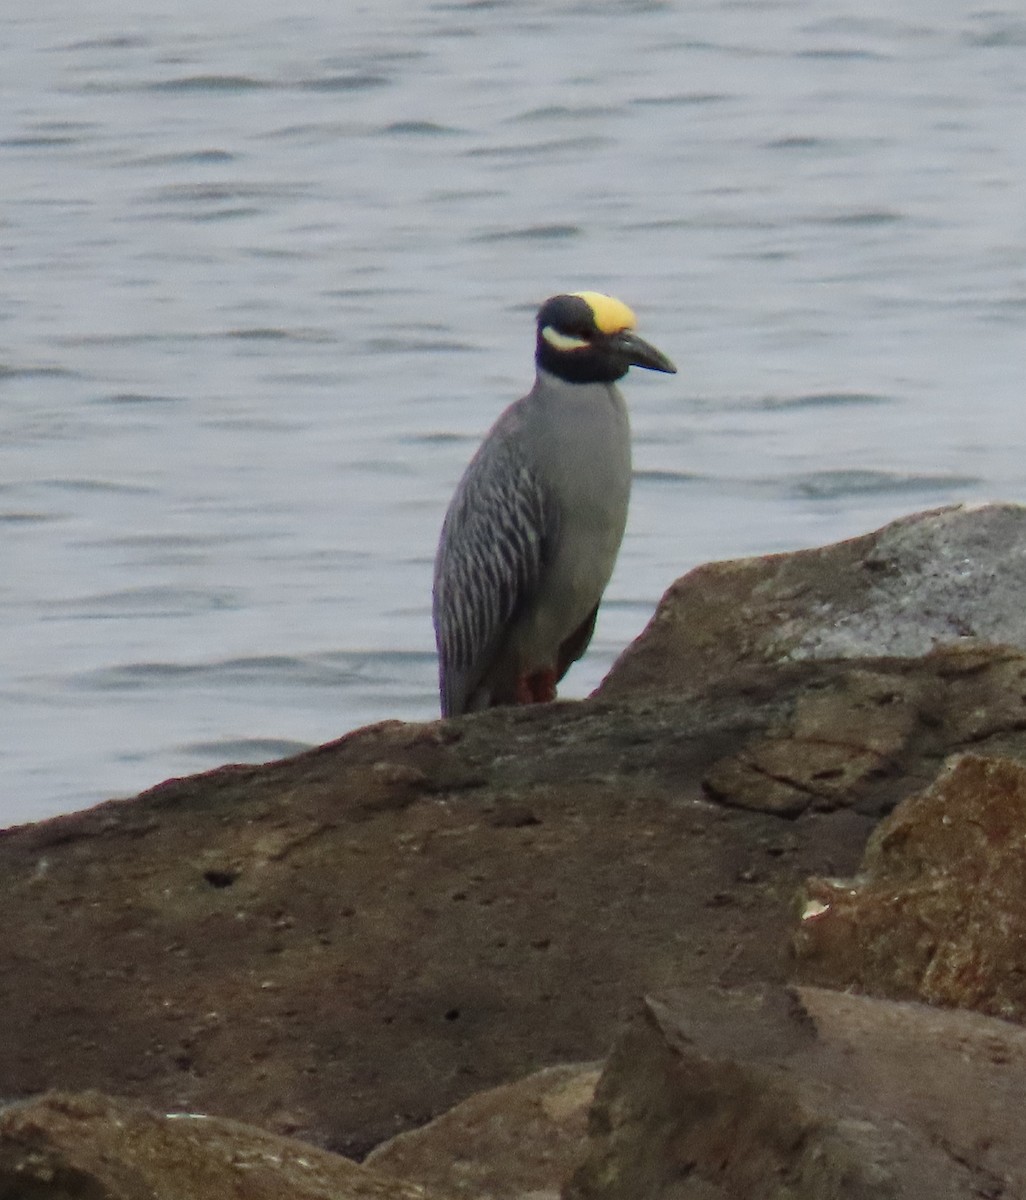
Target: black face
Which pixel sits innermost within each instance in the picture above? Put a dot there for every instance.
(592, 363)
(604, 358)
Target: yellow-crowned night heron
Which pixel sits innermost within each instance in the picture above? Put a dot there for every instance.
(533, 529)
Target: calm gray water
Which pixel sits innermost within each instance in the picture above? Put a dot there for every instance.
(269, 272)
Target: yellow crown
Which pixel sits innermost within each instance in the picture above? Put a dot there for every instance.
(611, 315)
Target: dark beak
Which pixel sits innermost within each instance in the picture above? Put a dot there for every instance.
(638, 353)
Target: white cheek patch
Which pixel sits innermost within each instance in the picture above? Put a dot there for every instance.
(562, 341)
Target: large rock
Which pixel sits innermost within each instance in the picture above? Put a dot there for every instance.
(748, 1096)
(938, 909)
(934, 578)
(91, 1147)
(518, 1142)
(345, 944)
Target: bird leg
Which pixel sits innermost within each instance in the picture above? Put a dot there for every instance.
(538, 688)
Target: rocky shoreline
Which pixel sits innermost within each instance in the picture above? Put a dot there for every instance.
(746, 923)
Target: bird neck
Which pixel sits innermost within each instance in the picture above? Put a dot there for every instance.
(549, 382)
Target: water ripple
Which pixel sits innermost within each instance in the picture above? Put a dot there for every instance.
(39, 141)
(159, 602)
(260, 333)
(344, 83)
(662, 476)
(120, 41)
(823, 485)
(840, 53)
(398, 345)
(864, 216)
(1001, 34)
(681, 99)
(28, 518)
(823, 400)
(205, 193)
(217, 84)
(527, 149)
(244, 750)
(418, 129)
(138, 398)
(299, 671)
(531, 233)
(552, 112)
(98, 485)
(8, 372)
(184, 158)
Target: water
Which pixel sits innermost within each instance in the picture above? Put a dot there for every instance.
(269, 272)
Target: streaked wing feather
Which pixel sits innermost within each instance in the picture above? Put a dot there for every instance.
(490, 558)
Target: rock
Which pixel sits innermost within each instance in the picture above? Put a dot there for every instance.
(750, 1096)
(345, 944)
(931, 579)
(88, 1146)
(511, 1143)
(938, 909)
(340, 953)
(846, 739)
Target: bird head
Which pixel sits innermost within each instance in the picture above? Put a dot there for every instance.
(586, 337)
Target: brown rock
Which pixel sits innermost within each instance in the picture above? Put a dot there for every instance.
(749, 1097)
(338, 950)
(345, 944)
(847, 739)
(514, 1142)
(938, 911)
(91, 1147)
(931, 579)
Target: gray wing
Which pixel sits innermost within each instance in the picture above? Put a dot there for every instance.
(490, 557)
